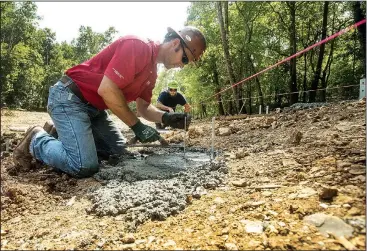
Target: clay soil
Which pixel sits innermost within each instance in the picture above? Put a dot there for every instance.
(283, 167)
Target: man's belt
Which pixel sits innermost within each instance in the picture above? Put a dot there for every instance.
(68, 82)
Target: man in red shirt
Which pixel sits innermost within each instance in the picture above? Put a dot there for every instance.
(124, 71)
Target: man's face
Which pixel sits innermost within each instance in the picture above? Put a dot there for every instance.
(172, 92)
(177, 55)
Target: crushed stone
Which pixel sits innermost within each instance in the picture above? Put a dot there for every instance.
(154, 185)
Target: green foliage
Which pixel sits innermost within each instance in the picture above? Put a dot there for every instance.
(32, 60)
(259, 35)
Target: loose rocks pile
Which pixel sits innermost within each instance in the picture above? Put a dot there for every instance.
(155, 186)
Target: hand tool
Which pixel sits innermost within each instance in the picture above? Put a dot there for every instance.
(163, 143)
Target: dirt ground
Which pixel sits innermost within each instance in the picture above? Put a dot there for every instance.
(283, 168)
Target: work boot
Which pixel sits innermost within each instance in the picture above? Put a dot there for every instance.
(21, 154)
(50, 129)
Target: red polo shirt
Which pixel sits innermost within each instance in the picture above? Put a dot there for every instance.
(130, 62)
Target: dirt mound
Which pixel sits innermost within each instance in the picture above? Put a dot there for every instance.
(293, 177)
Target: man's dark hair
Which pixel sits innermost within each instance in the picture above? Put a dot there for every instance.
(170, 36)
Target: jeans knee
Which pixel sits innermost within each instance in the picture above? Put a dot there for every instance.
(86, 172)
(88, 169)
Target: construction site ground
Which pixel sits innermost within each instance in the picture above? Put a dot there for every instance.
(296, 180)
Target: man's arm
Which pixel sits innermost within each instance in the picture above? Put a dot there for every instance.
(116, 102)
(148, 111)
(163, 107)
(187, 107)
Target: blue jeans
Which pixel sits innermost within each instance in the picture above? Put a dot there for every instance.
(84, 133)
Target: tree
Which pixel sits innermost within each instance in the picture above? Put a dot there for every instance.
(316, 78)
(223, 24)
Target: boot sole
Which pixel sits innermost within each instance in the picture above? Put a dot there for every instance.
(15, 154)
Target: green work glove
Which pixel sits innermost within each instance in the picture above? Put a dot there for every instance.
(176, 120)
(145, 133)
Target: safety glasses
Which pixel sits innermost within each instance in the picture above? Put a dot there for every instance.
(172, 90)
(185, 59)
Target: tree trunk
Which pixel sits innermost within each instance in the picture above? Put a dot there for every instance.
(249, 98)
(358, 16)
(293, 49)
(326, 71)
(304, 79)
(257, 80)
(315, 81)
(227, 58)
(219, 96)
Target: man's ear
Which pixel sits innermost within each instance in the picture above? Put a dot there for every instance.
(176, 42)
(177, 49)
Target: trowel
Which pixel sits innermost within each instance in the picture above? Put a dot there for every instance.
(163, 143)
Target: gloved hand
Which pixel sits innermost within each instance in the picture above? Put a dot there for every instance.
(145, 133)
(176, 120)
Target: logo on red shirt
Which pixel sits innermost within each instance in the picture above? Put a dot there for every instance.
(117, 73)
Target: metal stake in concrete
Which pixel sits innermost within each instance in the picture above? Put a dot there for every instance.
(7, 142)
(259, 109)
(185, 142)
(267, 109)
(213, 134)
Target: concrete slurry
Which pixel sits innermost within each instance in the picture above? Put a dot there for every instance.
(154, 184)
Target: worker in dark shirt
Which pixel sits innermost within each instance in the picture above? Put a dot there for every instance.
(168, 100)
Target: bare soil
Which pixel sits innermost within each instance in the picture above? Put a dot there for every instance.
(282, 167)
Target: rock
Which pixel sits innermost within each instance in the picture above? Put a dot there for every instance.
(230, 246)
(323, 205)
(328, 193)
(71, 201)
(241, 153)
(353, 211)
(199, 191)
(271, 229)
(254, 203)
(131, 246)
(224, 131)
(277, 110)
(240, 183)
(253, 243)
(274, 125)
(326, 223)
(303, 193)
(344, 126)
(360, 178)
(18, 129)
(4, 232)
(264, 180)
(290, 163)
(5, 154)
(225, 231)
(128, 238)
(269, 120)
(101, 243)
(195, 132)
(271, 212)
(219, 200)
(347, 206)
(266, 193)
(296, 137)
(268, 186)
(253, 226)
(138, 242)
(169, 243)
(315, 219)
(282, 224)
(151, 239)
(357, 171)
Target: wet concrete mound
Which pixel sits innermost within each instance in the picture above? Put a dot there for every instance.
(155, 184)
